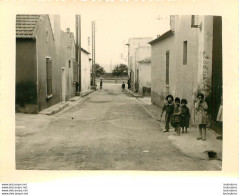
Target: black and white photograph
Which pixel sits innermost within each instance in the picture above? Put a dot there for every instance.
(118, 91)
(119, 97)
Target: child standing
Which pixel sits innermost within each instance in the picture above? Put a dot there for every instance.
(201, 116)
(123, 86)
(101, 83)
(169, 108)
(176, 117)
(185, 115)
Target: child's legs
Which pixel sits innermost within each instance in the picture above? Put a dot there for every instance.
(200, 131)
(178, 129)
(186, 129)
(204, 132)
(167, 119)
(182, 129)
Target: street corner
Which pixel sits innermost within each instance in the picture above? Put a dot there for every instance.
(187, 143)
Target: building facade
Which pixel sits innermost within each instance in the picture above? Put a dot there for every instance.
(145, 77)
(36, 87)
(133, 44)
(44, 63)
(141, 53)
(187, 60)
(85, 71)
(67, 60)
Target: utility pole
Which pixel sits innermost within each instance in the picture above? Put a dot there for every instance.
(111, 66)
(93, 53)
(79, 16)
(129, 69)
(88, 44)
(78, 50)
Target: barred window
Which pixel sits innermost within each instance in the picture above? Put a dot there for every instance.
(49, 76)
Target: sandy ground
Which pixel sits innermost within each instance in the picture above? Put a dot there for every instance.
(108, 130)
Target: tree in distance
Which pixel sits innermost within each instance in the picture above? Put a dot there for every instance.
(99, 70)
(120, 70)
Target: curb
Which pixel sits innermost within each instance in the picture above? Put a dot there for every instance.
(55, 109)
(133, 94)
(62, 105)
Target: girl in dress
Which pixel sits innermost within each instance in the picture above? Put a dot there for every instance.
(185, 115)
(176, 117)
(201, 116)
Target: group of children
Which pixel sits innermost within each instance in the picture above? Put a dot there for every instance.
(178, 115)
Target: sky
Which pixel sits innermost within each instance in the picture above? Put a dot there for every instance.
(113, 30)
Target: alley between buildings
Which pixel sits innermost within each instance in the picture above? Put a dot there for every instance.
(106, 130)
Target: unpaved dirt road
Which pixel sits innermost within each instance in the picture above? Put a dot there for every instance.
(107, 130)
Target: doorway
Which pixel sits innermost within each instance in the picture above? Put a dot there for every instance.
(217, 79)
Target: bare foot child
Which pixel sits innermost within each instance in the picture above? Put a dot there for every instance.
(201, 116)
(177, 116)
(185, 116)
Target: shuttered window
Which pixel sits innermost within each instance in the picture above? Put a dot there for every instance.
(49, 76)
(75, 72)
(185, 50)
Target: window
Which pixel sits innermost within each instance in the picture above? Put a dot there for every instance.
(185, 45)
(49, 77)
(167, 67)
(69, 64)
(194, 22)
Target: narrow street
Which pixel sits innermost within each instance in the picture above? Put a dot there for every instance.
(106, 130)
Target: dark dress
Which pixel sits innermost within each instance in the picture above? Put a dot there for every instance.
(185, 116)
(176, 117)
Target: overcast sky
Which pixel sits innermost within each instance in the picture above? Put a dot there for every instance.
(114, 28)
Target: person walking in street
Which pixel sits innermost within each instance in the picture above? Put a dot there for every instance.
(169, 109)
(176, 117)
(201, 116)
(185, 115)
(123, 86)
(101, 83)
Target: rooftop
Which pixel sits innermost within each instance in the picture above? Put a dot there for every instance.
(146, 60)
(82, 49)
(25, 25)
(162, 37)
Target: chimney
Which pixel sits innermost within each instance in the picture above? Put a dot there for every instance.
(68, 30)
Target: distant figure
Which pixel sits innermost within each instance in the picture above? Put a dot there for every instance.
(101, 83)
(129, 86)
(123, 86)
